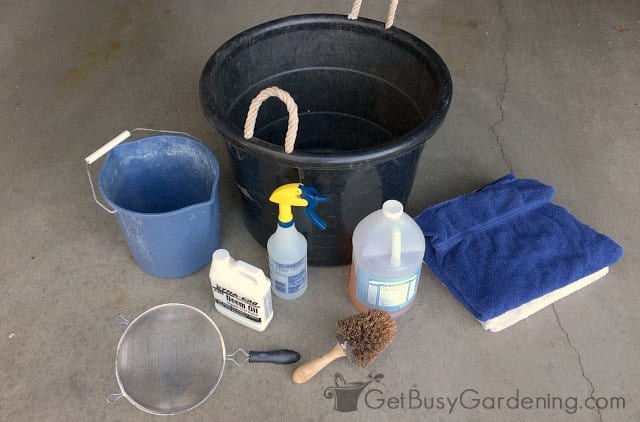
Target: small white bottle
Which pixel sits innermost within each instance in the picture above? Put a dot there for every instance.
(241, 291)
(287, 249)
(388, 249)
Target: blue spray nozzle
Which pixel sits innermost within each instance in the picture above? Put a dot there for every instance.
(313, 198)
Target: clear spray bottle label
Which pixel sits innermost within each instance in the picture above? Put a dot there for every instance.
(288, 279)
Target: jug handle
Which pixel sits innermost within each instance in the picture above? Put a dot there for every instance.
(292, 108)
(391, 14)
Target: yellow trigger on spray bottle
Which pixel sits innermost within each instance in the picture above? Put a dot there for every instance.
(287, 247)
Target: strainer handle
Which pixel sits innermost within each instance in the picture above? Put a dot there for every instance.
(122, 319)
(281, 356)
(113, 398)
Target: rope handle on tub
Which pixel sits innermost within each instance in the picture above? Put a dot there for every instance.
(292, 108)
(391, 13)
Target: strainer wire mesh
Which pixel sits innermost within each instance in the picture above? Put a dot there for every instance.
(170, 359)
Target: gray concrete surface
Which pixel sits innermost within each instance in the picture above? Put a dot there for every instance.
(547, 88)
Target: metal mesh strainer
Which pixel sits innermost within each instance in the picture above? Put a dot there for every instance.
(171, 358)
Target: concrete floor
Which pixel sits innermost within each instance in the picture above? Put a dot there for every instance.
(548, 88)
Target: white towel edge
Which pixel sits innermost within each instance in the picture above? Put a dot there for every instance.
(523, 311)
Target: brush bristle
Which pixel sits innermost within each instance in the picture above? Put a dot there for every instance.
(368, 334)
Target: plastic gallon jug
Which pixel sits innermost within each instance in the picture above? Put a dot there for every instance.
(388, 247)
(241, 291)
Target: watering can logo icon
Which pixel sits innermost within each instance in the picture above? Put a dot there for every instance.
(345, 394)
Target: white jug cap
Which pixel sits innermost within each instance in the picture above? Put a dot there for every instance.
(221, 255)
(392, 209)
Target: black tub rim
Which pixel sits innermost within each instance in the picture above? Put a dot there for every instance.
(416, 138)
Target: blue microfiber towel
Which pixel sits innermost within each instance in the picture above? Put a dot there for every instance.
(506, 245)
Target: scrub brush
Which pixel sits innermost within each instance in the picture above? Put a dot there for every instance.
(361, 337)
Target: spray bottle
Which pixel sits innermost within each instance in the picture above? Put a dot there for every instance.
(287, 247)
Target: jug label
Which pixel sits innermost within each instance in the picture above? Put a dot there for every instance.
(288, 278)
(241, 306)
(388, 294)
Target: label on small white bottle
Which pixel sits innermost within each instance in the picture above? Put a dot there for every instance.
(288, 279)
(242, 306)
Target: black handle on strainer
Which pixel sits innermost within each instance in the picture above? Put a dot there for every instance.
(281, 356)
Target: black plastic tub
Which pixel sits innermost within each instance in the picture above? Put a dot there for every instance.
(368, 100)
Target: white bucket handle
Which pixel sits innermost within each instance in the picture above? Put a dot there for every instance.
(94, 156)
(91, 158)
(391, 13)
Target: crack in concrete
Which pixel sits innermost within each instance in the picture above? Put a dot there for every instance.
(503, 90)
(584, 376)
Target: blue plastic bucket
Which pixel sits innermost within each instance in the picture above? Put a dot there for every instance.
(163, 189)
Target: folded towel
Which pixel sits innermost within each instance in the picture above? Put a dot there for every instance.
(515, 315)
(506, 247)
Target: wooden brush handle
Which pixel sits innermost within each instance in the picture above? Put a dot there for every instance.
(308, 370)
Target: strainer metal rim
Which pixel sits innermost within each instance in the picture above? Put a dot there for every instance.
(131, 400)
